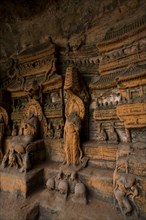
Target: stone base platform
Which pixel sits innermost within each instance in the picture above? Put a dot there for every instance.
(101, 155)
(20, 183)
(99, 182)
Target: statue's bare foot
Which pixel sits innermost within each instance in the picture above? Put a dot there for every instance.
(67, 164)
(75, 164)
(64, 162)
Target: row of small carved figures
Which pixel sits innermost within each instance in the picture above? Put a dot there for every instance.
(37, 64)
(123, 100)
(52, 132)
(131, 96)
(78, 62)
(122, 52)
(107, 137)
(47, 106)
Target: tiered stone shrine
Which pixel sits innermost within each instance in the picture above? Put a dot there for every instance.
(73, 119)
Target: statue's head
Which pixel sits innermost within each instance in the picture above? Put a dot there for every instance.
(31, 113)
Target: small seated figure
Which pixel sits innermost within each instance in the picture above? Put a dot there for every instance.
(102, 136)
(58, 132)
(14, 129)
(50, 131)
(113, 137)
(17, 145)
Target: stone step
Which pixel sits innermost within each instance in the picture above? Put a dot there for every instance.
(101, 155)
(17, 183)
(105, 164)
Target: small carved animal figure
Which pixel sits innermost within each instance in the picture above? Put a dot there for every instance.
(50, 184)
(80, 190)
(63, 187)
(80, 193)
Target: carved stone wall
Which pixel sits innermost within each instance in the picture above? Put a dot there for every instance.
(104, 42)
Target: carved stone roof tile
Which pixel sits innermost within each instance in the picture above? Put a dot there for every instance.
(132, 72)
(110, 80)
(125, 29)
(106, 81)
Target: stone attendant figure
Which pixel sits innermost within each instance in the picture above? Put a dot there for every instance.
(74, 112)
(72, 139)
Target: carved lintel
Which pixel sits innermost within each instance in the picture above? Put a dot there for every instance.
(54, 83)
(133, 115)
(105, 114)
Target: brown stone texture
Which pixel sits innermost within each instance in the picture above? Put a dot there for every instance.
(55, 149)
(20, 184)
(67, 58)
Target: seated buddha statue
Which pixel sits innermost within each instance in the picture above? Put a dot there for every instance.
(17, 145)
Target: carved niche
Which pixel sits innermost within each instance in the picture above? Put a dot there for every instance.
(35, 107)
(41, 82)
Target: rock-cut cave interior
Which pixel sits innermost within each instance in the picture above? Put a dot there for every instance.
(72, 109)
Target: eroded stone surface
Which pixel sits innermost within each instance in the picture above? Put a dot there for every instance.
(79, 66)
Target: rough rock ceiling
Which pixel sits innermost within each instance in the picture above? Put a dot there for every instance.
(25, 23)
(11, 10)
